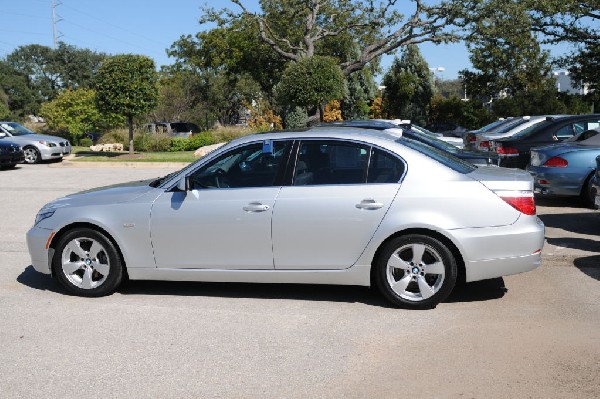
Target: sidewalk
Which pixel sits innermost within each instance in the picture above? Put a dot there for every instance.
(68, 161)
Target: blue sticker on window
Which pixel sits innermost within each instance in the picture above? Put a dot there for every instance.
(267, 147)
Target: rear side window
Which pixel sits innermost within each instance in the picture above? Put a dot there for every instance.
(384, 168)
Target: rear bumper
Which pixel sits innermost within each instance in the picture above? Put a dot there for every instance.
(557, 181)
(500, 251)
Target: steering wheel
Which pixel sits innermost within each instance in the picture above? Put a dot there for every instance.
(221, 178)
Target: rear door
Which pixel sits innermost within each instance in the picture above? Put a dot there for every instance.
(339, 195)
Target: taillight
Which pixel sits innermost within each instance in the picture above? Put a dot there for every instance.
(506, 150)
(484, 144)
(521, 201)
(556, 162)
(472, 139)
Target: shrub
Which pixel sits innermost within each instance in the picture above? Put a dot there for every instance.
(85, 142)
(115, 136)
(152, 142)
(192, 143)
(296, 118)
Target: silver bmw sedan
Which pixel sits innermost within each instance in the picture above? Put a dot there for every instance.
(323, 206)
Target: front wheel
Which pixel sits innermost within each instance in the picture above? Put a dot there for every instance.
(416, 271)
(32, 155)
(87, 263)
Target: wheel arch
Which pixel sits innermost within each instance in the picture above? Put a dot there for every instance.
(460, 263)
(65, 229)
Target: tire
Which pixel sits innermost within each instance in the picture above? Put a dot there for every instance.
(588, 194)
(32, 155)
(415, 271)
(87, 263)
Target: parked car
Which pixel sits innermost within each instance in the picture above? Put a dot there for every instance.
(483, 141)
(566, 169)
(10, 153)
(477, 158)
(514, 151)
(595, 184)
(323, 206)
(36, 147)
(447, 129)
(173, 129)
(469, 137)
(407, 125)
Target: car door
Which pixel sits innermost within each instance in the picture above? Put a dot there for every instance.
(224, 220)
(339, 195)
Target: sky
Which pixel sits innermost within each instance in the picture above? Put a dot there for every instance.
(149, 27)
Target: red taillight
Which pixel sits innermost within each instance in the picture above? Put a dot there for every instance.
(507, 151)
(524, 204)
(472, 139)
(556, 162)
(484, 144)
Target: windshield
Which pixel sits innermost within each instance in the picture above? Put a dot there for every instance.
(442, 157)
(15, 129)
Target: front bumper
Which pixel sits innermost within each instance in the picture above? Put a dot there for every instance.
(56, 152)
(41, 257)
(11, 158)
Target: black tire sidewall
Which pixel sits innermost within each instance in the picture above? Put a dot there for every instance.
(115, 275)
(451, 271)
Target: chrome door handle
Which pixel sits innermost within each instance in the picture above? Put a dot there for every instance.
(256, 207)
(369, 204)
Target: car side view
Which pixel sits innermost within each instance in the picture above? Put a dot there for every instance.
(36, 147)
(332, 205)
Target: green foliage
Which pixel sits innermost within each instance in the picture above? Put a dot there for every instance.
(21, 99)
(126, 85)
(361, 90)
(75, 112)
(154, 142)
(4, 110)
(296, 118)
(86, 142)
(115, 136)
(470, 114)
(312, 81)
(191, 143)
(539, 102)
(408, 87)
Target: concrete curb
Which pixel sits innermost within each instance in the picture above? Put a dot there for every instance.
(68, 163)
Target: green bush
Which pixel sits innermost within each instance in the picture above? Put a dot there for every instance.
(192, 143)
(85, 142)
(152, 142)
(115, 136)
(296, 118)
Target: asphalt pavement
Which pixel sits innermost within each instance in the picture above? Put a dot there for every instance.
(533, 335)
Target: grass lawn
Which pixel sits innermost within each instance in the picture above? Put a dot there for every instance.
(83, 154)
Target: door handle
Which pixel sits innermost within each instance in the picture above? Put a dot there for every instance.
(256, 207)
(369, 204)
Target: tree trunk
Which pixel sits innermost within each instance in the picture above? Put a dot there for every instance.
(130, 123)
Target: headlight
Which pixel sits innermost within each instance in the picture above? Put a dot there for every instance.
(43, 214)
(47, 143)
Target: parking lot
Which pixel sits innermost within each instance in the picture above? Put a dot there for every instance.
(531, 335)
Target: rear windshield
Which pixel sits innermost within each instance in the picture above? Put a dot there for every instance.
(528, 130)
(442, 157)
(493, 125)
(432, 141)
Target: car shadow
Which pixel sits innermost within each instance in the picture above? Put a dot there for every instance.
(584, 244)
(39, 281)
(471, 292)
(478, 291)
(589, 265)
(580, 223)
(571, 202)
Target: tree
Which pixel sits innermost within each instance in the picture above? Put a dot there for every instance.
(51, 71)
(75, 112)
(21, 99)
(312, 81)
(295, 29)
(408, 87)
(4, 110)
(506, 60)
(127, 85)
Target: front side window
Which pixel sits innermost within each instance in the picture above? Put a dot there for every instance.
(254, 165)
(330, 162)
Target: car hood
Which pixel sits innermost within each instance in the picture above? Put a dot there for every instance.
(498, 179)
(113, 194)
(37, 137)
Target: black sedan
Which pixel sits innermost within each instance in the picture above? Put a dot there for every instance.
(10, 154)
(515, 151)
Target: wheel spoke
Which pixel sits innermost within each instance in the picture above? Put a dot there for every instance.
(86, 279)
(71, 267)
(95, 250)
(435, 268)
(396, 262)
(75, 247)
(418, 251)
(101, 268)
(424, 288)
(400, 286)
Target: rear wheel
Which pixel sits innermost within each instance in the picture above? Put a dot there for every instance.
(588, 194)
(87, 263)
(416, 271)
(32, 155)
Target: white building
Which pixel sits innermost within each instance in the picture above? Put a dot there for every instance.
(564, 84)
